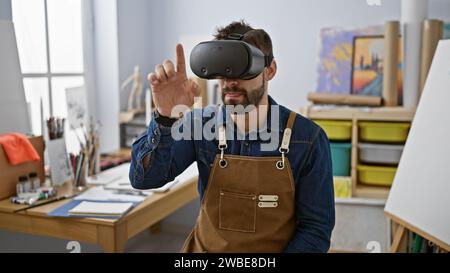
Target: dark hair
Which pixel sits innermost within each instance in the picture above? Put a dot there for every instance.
(256, 37)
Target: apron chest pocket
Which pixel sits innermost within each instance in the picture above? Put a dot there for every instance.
(237, 211)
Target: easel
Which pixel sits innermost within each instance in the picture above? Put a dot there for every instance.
(400, 231)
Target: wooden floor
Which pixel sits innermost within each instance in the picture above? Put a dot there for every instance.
(169, 240)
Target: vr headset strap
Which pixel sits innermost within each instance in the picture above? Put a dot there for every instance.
(267, 60)
(236, 36)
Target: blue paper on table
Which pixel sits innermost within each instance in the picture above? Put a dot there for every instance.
(63, 211)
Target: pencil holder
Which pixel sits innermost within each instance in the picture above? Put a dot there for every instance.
(80, 177)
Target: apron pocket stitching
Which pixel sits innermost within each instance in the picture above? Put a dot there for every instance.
(245, 204)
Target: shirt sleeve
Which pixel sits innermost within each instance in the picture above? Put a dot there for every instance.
(315, 213)
(157, 158)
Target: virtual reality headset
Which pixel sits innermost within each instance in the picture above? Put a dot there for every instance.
(232, 59)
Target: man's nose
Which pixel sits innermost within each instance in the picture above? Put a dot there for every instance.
(230, 82)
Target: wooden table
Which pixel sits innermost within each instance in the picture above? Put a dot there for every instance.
(111, 235)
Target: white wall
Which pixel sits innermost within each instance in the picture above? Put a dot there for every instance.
(294, 26)
(135, 41)
(107, 72)
(5, 10)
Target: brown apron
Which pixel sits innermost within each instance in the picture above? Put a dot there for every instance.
(249, 203)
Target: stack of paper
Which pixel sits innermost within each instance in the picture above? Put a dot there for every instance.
(99, 193)
(110, 175)
(124, 186)
(93, 209)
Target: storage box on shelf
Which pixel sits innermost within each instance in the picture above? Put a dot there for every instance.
(132, 129)
(341, 158)
(339, 133)
(378, 162)
(376, 137)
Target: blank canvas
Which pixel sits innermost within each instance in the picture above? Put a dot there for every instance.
(420, 195)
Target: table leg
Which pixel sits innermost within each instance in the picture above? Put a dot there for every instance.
(112, 239)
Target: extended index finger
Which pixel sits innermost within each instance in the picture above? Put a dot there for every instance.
(181, 63)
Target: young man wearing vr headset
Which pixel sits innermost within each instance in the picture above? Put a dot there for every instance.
(253, 198)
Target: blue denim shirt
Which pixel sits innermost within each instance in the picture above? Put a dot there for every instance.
(309, 156)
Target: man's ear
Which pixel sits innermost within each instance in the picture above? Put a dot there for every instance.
(271, 70)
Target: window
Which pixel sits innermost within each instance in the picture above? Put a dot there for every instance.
(50, 44)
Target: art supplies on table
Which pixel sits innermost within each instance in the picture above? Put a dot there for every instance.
(78, 168)
(92, 209)
(52, 200)
(55, 127)
(97, 197)
(31, 197)
(86, 163)
(101, 193)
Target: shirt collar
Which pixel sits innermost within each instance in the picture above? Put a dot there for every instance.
(223, 114)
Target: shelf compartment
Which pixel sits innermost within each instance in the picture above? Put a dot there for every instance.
(376, 175)
(337, 130)
(340, 157)
(380, 153)
(391, 132)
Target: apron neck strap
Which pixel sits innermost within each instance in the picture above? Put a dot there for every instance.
(287, 133)
(284, 143)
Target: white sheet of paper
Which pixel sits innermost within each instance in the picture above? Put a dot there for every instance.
(114, 174)
(95, 208)
(123, 184)
(101, 194)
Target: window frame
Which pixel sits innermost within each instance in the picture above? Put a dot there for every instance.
(87, 32)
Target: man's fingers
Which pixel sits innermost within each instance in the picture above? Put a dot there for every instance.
(169, 68)
(195, 89)
(160, 73)
(181, 63)
(153, 79)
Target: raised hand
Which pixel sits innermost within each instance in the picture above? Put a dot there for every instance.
(171, 87)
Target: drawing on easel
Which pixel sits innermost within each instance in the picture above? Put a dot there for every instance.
(77, 112)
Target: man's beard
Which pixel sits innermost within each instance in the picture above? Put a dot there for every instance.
(253, 97)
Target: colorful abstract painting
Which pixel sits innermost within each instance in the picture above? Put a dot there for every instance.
(335, 57)
(367, 66)
(367, 74)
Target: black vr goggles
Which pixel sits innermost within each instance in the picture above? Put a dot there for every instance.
(232, 59)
